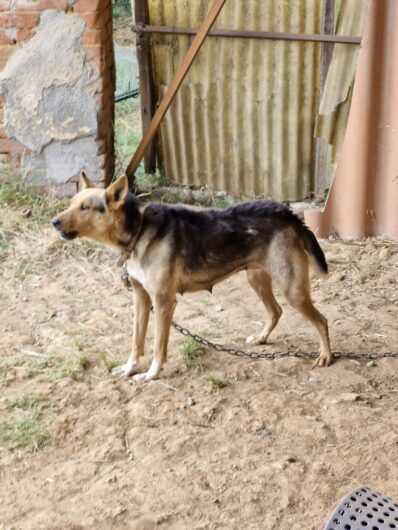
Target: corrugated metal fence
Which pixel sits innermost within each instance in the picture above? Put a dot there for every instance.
(244, 119)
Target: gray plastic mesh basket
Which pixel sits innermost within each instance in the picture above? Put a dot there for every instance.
(364, 509)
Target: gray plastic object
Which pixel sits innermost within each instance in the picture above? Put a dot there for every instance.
(364, 509)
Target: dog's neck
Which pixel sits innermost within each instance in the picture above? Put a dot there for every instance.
(125, 244)
(127, 249)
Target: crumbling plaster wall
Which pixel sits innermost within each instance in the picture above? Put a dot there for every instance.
(58, 91)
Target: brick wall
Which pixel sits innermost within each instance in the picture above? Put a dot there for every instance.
(18, 21)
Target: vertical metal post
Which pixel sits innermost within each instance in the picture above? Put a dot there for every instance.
(327, 52)
(147, 90)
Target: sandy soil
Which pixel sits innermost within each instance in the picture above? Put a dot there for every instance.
(274, 450)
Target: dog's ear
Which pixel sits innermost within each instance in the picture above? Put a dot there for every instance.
(117, 191)
(84, 181)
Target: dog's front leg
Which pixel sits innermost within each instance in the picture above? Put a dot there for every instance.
(164, 308)
(142, 306)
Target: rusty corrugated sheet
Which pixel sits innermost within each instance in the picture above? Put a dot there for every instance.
(244, 119)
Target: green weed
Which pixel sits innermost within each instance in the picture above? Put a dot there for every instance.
(22, 433)
(3, 242)
(110, 364)
(149, 181)
(221, 202)
(216, 382)
(16, 361)
(121, 9)
(191, 352)
(7, 380)
(43, 363)
(128, 133)
(52, 368)
(32, 402)
(15, 193)
(83, 361)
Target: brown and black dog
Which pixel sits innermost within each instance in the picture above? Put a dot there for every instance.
(170, 249)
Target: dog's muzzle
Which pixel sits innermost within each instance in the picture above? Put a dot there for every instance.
(64, 235)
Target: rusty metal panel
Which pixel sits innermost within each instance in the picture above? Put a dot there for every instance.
(244, 119)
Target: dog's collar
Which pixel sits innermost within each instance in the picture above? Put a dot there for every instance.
(125, 255)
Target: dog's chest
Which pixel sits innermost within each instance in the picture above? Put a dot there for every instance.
(135, 270)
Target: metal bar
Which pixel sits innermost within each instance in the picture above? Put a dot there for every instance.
(243, 34)
(327, 52)
(126, 95)
(175, 85)
(147, 87)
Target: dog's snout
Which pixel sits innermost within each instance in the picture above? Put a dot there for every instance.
(55, 222)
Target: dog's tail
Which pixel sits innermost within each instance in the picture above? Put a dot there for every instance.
(312, 246)
(314, 250)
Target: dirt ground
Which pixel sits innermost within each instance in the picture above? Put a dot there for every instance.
(273, 450)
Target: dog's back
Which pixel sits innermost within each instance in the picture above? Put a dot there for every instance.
(214, 237)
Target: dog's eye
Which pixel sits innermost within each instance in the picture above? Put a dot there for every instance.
(84, 207)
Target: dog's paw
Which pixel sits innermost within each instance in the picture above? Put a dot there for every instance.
(152, 373)
(124, 370)
(143, 377)
(256, 341)
(324, 359)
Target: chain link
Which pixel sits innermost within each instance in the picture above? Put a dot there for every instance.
(370, 356)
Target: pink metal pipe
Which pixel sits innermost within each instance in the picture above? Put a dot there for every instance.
(363, 199)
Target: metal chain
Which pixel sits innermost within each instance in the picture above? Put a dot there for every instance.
(276, 355)
(265, 355)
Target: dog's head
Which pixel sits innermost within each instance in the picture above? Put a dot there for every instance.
(108, 215)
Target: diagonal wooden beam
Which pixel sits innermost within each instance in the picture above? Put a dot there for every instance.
(174, 86)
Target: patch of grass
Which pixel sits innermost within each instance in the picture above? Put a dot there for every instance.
(221, 202)
(121, 9)
(15, 193)
(83, 361)
(216, 382)
(191, 352)
(7, 380)
(128, 133)
(72, 370)
(52, 368)
(109, 364)
(7, 372)
(44, 369)
(16, 361)
(23, 433)
(32, 402)
(52, 361)
(3, 242)
(149, 181)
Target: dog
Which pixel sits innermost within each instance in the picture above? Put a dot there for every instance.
(169, 249)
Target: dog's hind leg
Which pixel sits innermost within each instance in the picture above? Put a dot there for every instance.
(164, 308)
(303, 303)
(261, 282)
(142, 307)
(290, 271)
